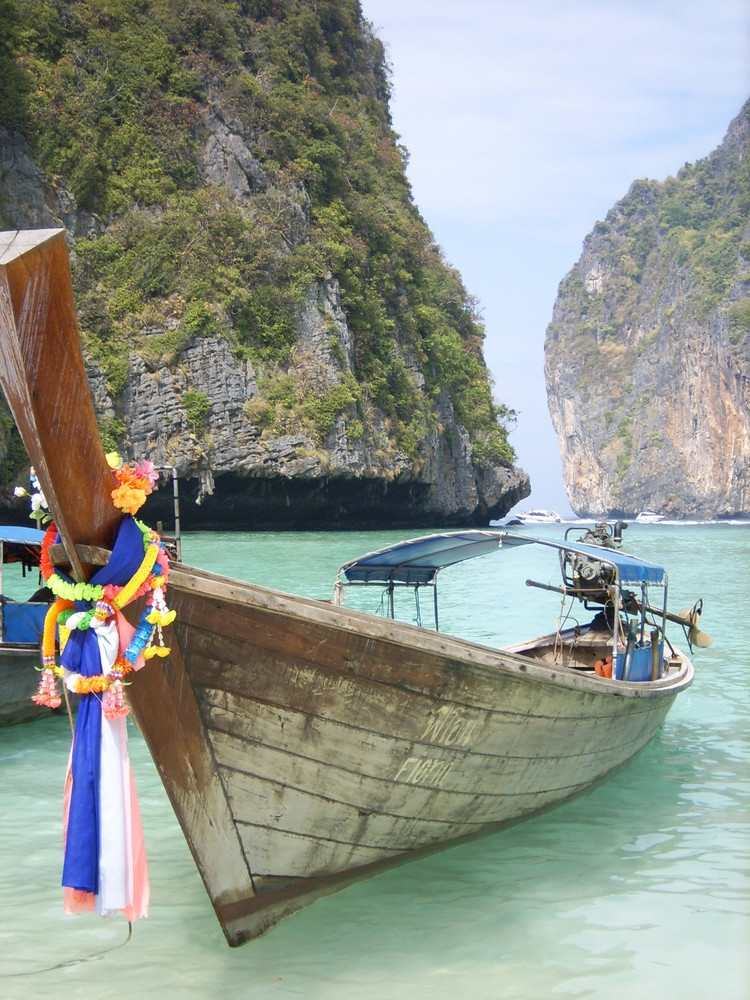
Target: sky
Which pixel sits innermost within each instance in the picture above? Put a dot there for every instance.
(525, 122)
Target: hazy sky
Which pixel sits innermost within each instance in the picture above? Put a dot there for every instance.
(526, 121)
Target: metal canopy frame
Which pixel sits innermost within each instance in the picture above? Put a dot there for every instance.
(415, 563)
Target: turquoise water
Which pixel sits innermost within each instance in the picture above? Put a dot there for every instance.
(637, 889)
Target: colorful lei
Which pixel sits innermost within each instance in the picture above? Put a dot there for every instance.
(105, 603)
(134, 483)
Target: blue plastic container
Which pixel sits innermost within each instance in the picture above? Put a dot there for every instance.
(640, 669)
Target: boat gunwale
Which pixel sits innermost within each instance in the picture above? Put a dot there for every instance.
(472, 654)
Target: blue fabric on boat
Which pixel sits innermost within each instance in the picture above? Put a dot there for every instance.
(127, 556)
(419, 560)
(23, 622)
(81, 863)
(81, 655)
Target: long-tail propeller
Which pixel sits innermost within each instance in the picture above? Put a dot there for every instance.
(689, 618)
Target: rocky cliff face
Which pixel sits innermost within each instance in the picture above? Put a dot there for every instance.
(647, 357)
(233, 472)
(261, 305)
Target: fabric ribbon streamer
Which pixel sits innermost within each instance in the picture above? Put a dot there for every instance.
(105, 861)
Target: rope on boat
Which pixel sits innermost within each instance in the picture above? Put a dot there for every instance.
(557, 647)
(562, 620)
(418, 619)
(74, 961)
(565, 616)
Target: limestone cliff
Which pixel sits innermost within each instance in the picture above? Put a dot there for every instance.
(647, 356)
(261, 305)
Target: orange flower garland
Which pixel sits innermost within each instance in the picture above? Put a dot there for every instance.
(135, 484)
(100, 683)
(45, 563)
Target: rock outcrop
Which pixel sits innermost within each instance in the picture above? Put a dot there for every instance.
(233, 473)
(647, 356)
(261, 305)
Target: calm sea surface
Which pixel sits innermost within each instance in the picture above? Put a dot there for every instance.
(639, 888)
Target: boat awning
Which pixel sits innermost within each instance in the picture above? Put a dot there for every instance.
(21, 544)
(24, 536)
(418, 561)
(631, 570)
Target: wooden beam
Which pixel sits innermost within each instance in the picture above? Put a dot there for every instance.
(44, 381)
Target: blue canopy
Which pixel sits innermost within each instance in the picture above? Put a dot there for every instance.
(21, 536)
(631, 570)
(22, 545)
(418, 561)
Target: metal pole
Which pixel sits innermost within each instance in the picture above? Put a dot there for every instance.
(2, 556)
(176, 495)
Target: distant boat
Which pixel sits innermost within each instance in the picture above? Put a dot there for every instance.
(649, 517)
(535, 516)
(21, 625)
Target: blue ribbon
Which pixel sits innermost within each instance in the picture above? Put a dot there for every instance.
(81, 655)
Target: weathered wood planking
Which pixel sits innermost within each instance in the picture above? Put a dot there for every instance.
(375, 771)
(44, 381)
(332, 759)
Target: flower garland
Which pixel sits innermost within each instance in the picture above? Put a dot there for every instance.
(105, 603)
(48, 694)
(134, 483)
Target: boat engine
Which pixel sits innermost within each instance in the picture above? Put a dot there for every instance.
(589, 578)
(605, 535)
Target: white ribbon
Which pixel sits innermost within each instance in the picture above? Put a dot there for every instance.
(115, 840)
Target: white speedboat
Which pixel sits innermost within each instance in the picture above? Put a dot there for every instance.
(535, 516)
(648, 517)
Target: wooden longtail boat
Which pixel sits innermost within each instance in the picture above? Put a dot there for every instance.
(304, 745)
(21, 624)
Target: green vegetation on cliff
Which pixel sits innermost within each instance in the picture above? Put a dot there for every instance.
(121, 99)
(680, 245)
(649, 345)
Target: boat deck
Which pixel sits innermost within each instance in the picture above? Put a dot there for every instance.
(576, 652)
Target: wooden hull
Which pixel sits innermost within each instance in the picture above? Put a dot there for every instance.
(332, 743)
(19, 680)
